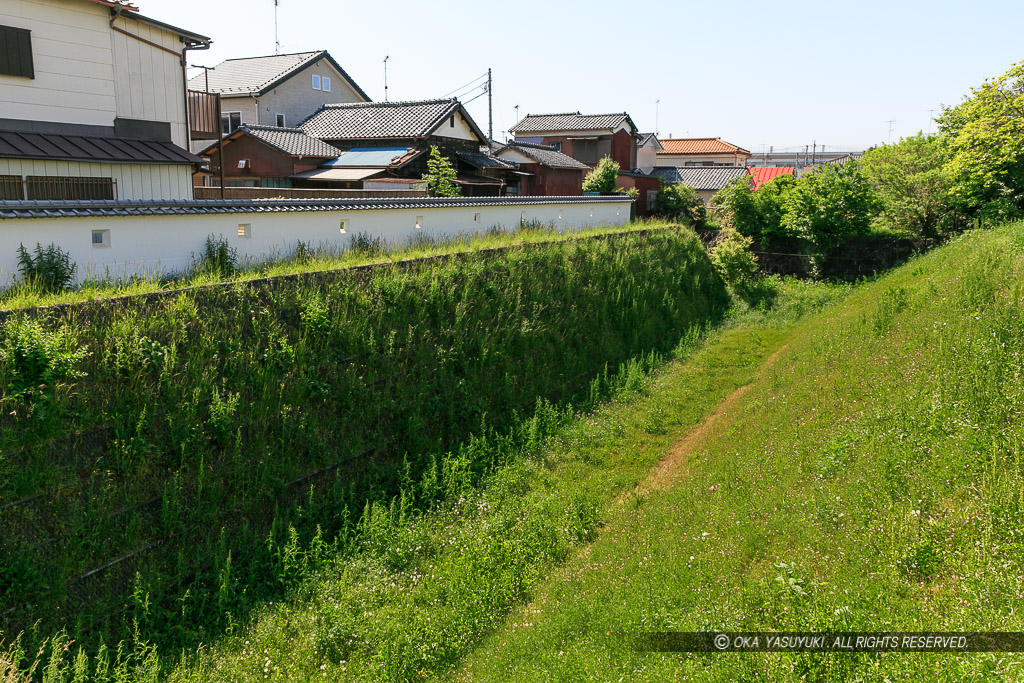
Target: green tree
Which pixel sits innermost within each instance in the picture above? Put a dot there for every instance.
(440, 175)
(681, 202)
(756, 214)
(604, 178)
(913, 183)
(829, 206)
(986, 138)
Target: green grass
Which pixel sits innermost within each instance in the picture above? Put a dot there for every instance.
(871, 479)
(302, 259)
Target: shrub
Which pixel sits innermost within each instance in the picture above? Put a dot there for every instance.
(680, 202)
(51, 269)
(218, 257)
(440, 175)
(829, 206)
(35, 359)
(758, 214)
(604, 178)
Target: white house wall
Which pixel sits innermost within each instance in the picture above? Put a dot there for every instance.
(73, 60)
(297, 100)
(460, 131)
(148, 245)
(150, 82)
(134, 181)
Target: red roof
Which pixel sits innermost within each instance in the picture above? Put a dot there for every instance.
(699, 146)
(763, 174)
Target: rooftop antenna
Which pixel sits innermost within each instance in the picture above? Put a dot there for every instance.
(931, 120)
(891, 121)
(657, 110)
(277, 43)
(386, 58)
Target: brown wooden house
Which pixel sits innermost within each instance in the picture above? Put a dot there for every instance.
(545, 171)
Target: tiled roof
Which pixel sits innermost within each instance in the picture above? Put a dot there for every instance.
(538, 123)
(257, 75)
(481, 160)
(80, 209)
(547, 156)
(377, 120)
(764, 174)
(699, 146)
(645, 138)
(291, 141)
(125, 4)
(94, 148)
(700, 177)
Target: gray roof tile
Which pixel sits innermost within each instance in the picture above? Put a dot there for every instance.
(540, 123)
(481, 160)
(700, 177)
(257, 75)
(547, 156)
(79, 209)
(376, 120)
(291, 141)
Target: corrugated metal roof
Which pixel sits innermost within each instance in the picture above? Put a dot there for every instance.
(376, 120)
(80, 209)
(538, 123)
(339, 173)
(700, 177)
(370, 156)
(547, 156)
(699, 146)
(764, 174)
(257, 75)
(291, 141)
(94, 148)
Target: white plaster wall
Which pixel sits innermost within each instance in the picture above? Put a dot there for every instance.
(460, 131)
(147, 245)
(296, 99)
(646, 158)
(134, 181)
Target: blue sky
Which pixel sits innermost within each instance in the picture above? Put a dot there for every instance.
(783, 73)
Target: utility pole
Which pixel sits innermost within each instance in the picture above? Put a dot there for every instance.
(814, 153)
(490, 111)
(386, 58)
(277, 43)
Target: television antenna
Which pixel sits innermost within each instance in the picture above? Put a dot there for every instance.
(386, 58)
(277, 43)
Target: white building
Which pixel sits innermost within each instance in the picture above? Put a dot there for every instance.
(93, 102)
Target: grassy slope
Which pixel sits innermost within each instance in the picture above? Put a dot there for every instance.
(436, 585)
(878, 464)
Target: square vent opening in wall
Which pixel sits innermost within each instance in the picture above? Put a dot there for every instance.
(100, 239)
(245, 230)
(419, 222)
(343, 228)
(476, 217)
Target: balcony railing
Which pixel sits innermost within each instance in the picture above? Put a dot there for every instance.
(204, 115)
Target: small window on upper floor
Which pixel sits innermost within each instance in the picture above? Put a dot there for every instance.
(451, 121)
(316, 81)
(16, 52)
(325, 84)
(280, 121)
(557, 146)
(230, 121)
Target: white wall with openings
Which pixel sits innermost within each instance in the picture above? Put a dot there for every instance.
(120, 246)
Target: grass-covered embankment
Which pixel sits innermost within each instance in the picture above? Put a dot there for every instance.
(165, 458)
(871, 479)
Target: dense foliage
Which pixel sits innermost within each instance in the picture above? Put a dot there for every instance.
(180, 444)
(440, 175)
(680, 202)
(604, 178)
(830, 205)
(755, 214)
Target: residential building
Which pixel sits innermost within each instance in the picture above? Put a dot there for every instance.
(277, 90)
(393, 139)
(267, 156)
(706, 180)
(588, 138)
(545, 171)
(801, 157)
(93, 102)
(647, 152)
(700, 152)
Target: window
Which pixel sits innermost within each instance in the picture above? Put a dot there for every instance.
(16, 52)
(316, 81)
(557, 146)
(280, 121)
(344, 227)
(244, 230)
(11, 188)
(230, 121)
(419, 222)
(58, 188)
(325, 84)
(652, 198)
(243, 163)
(451, 121)
(100, 239)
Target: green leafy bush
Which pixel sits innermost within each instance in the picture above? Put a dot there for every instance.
(49, 270)
(758, 214)
(830, 205)
(604, 178)
(680, 202)
(440, 175)
(34, 358)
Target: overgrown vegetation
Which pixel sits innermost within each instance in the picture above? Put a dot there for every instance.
(604, 178)
(205, 438)
(680, 202)
(49, 270)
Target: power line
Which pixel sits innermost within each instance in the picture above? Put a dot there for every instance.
(463, 87)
